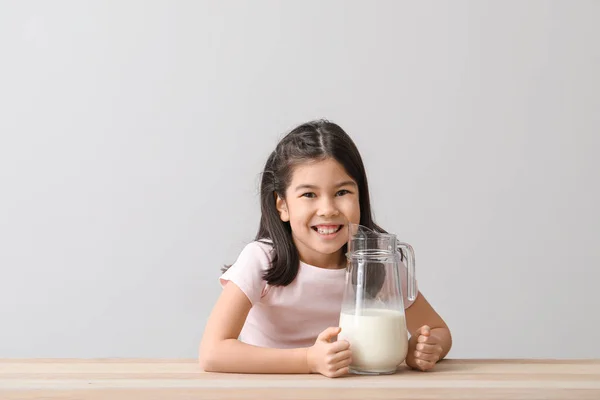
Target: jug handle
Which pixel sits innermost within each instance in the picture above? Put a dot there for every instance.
(407, 249)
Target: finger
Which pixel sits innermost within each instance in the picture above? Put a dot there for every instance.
(427, 339)
(341, 356)
(342, 364)
(424, 365)
(329, 334)
(335, 370)
(341, 372)
(429, 348)
(339, 345)
(426, 356)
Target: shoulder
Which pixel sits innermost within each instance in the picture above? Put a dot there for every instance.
(257, 252)
(248, 270)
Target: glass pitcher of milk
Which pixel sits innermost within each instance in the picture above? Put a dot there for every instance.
(372, 315)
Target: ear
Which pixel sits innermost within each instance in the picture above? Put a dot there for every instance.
(284, 215)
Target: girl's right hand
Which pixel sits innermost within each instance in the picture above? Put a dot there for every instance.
(327, 357)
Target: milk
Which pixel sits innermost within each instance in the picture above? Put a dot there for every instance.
(378, 339)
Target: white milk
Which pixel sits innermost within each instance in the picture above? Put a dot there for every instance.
(378, 339)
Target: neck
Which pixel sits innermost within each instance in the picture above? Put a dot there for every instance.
(336, 260)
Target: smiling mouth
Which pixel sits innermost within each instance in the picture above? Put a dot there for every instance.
(327, 229)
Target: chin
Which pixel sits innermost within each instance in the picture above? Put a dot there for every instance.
(329, 250)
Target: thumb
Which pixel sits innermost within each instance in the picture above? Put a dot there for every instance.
(329, 333)
(425, 330)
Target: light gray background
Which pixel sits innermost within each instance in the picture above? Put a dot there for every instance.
(133, 133)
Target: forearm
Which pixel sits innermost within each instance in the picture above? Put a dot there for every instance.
(234, 356)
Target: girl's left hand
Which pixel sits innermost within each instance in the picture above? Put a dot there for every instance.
(424, 350)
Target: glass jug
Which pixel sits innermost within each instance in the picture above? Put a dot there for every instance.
(372, 315)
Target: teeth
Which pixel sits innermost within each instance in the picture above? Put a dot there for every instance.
(327, 231)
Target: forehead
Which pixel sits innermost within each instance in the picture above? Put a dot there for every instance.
(322, 173)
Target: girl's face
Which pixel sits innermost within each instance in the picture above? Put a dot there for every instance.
(319, 203)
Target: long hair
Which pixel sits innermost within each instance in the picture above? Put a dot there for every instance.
(315, 140)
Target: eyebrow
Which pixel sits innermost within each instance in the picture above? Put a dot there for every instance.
(312, 187)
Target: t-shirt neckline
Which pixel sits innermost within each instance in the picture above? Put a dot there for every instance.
(328, 270)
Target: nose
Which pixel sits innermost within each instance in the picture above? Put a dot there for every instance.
(327, 208)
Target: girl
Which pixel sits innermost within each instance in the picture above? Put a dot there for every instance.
(281, 300)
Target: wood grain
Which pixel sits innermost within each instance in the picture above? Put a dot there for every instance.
(121, 379)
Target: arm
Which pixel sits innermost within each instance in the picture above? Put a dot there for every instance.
(221, 351)
(419, 316)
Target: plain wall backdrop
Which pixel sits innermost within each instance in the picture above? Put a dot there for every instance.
(133, 133)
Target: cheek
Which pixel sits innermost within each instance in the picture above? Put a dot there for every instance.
(351, 209)
(299, 212)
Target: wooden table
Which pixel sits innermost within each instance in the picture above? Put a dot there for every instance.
(183, 379)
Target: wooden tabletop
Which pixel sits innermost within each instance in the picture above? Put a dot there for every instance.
(182, 379)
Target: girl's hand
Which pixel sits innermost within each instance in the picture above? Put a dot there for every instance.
(424, 351)
(327, 357)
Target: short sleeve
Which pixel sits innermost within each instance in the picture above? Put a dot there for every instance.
(248, 270)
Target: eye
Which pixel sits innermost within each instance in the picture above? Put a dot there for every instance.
(342, 192)
(310, 195)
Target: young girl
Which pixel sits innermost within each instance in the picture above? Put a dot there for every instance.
(281, 300)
